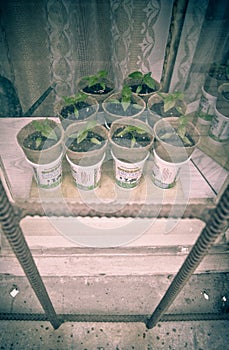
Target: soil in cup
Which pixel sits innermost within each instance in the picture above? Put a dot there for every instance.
(158, 108)
(145, 89)
(117, 108)
(131, 139)
(84, 111)
(172, 138)
(93, 141)
(97, 89)
(37, 142)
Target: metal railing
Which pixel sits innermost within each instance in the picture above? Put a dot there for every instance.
(11, 228)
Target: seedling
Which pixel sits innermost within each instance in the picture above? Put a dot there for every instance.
(74, 100)
(98, 78)
(180, 132)
(125, 101)
(144, 79)
(132, 130)
(83, 133)
(45, 130)
(172, 100)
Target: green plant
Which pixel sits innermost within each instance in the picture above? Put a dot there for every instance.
(180, 131)
(73, 100)
(143, 79)
(98, 78)
(125, 101)
(45, 130)
(83, 133)
(132, 130)
(79, 97)
(172, 100)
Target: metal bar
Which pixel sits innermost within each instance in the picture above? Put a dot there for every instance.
(14, 234)
(41, 99)
(211, 231)
(115, 317)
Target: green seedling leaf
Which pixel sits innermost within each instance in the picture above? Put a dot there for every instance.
(102, 74)
(92, 81)
(126, 97)
(76, 113)
(126, 93)
(179, 109)
(45, 129)
(131, 129)
(95, 141)
(79, 97)
(169, 105)
(133, 141)
(82, 134)
(170, 100)
(139, 89)
(187, 141)
(125, 105)
(183, 120)
(136, 106)
(181, 131)
(149, 81)
(103, 85)
(167, 136)
(38, 142)
(136, 75)
(113, 100)
(96, 79)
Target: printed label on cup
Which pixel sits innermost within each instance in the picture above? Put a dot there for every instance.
(219, 130)
(48, 176)
(206, 106)
(86, 177)
(128, 175)
(127, 178)
(165, 174)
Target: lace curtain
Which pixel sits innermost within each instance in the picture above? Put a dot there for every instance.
(57, 41)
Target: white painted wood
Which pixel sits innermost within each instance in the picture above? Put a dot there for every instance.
(42, 233)
(113, 265)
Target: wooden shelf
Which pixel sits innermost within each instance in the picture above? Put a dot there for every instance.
(193, 196)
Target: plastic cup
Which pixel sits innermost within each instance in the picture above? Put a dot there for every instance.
(219, 129)
(48, 176)
(165, 174)
(128, 175)
(206, 107)
(86, 177)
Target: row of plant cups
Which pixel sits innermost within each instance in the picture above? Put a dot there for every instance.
(85, 144)
(141, 92)
(214, 103)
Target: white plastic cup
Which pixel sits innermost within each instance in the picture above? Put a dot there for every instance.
(219, 129)
(206, 107)
(48, 176)
(86, 177)
(128, 175)
(165, 174)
